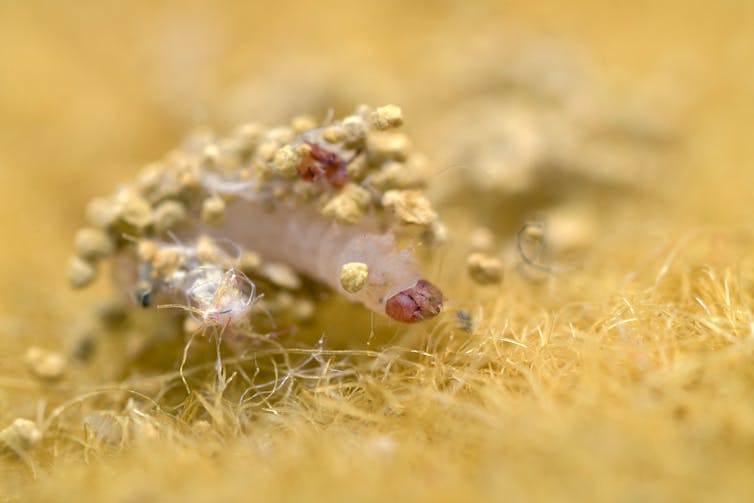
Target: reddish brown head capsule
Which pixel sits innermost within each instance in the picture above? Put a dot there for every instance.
(420, 302)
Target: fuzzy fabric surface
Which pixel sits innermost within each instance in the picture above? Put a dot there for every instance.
(614, 360)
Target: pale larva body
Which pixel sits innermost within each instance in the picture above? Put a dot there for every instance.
(318, 247)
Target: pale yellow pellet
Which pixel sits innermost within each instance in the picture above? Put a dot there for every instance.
(168, 215)
(210, 156)
(101, 212)
(305, 191)
(189, 181)
(46, 365)
(358, 168)
(303, 150)
(133, 211)
(20, 436)
(359, 194)
(303, 310)
(349, 205)
(166, 261)
(333, 134)
(343, 209)
(354, 130)
(266, 150)
(392, 175)
(81, 272)
(410, 207)
(436, 234)
(146, 250)
(280, 135)
(281, 275)
(92, 243)
(383, 147)
(207, 250)
(213, 210)
(249, 262)
(249, 133)
(389, 116)
(191, 326)
(484, 269)
(286, 162)
(353, 276)
(301, 123)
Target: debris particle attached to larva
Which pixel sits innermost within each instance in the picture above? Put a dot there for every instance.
(353, 276)
(213, 210)
(349, 206)
(133, 211)
(387, 117)
(80, 272)
(168, 215)
(286, 161)
(92, 243)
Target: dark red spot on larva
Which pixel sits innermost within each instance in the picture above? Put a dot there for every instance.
(420, 302)
(322, 163)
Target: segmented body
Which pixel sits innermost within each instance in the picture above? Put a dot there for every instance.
(316, 246)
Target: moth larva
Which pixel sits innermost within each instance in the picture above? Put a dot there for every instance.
(312, 200)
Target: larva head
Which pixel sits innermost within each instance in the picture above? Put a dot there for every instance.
(420, 302)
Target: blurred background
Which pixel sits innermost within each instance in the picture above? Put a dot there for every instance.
(519, 106)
